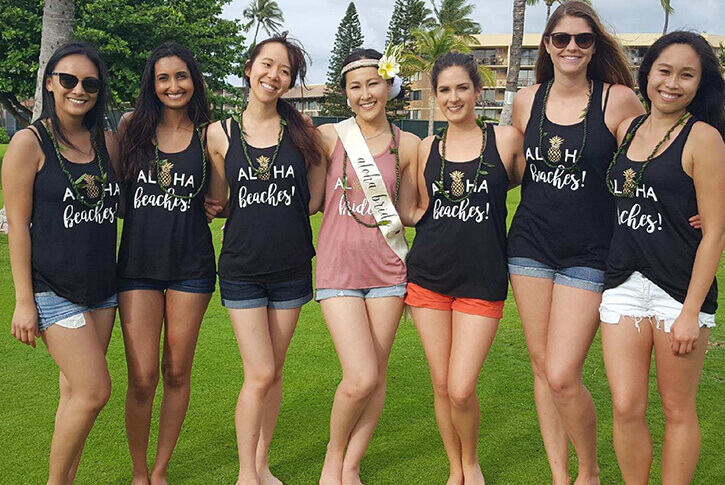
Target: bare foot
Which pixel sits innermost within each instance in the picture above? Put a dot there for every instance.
(455, 480)
(249, 480)
(142, 480)
(351, 477)
(266, 477)
(566, 481)
(588, 480)
(158, 479)
(473, 475)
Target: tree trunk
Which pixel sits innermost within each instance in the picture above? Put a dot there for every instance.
(548, 13)
(667, 22)
(57, 29)
(512, 80)
(256, 31)
(17, 110)
(431, 110)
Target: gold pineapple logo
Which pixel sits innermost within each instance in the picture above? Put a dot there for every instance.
(264, 168)
(91, 187)
(554, 153)
(165, 175)
(457, 185)
(629, 184)
(356, 185)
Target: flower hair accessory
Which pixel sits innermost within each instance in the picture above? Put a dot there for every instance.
(389, 66)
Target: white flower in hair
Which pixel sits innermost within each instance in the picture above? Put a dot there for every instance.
(389, 67)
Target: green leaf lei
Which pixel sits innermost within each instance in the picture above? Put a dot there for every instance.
(159, 163)
(259, 172)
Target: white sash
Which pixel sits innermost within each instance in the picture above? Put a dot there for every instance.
(373, 186)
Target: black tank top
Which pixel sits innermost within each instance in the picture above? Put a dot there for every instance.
(73, 246)
(653, 234)
(164, 237)
(267, 237)
(565, 219)
(460, 248)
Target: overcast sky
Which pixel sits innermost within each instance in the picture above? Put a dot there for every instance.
(314, 22)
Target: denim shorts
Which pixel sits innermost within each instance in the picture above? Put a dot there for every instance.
(640, 298)
(56, 309)
(364, 293)
(280, 296)
(199, 285)
(583, 277)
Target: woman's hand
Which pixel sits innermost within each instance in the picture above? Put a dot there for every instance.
(695, 221)
(684, 334)
(212, 207)
(25, 323)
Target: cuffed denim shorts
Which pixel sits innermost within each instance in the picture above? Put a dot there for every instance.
(640, 298)
(284, 295)
(582, 277)
(364, 293)
(198, 285)
(54, 309)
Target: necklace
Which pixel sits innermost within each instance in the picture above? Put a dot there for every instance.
(456, 194)
(394, 151)
(553, 154)
(85, 181)
(163, 170)
(632, 178)
(374, 136)
(265, 164)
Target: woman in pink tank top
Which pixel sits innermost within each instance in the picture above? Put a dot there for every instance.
(360, 279)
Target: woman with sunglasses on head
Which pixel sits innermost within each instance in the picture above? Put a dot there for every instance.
(660, 289)
(559, 237)
(166, 259)
(457, 275)
(265, 270)
(62, 195)
(361, 275)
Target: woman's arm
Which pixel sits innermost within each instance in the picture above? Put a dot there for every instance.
(408, 196)
(217, 145)
(22, 161)
(317, 174)
(622, 107)
(707, 168)
(510, 144)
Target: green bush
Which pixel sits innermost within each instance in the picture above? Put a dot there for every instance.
(4, 137)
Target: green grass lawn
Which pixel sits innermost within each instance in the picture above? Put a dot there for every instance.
(406, 448)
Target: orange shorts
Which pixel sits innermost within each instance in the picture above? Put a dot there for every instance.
(423, 298)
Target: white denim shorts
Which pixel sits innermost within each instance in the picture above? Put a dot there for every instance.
(640, 298)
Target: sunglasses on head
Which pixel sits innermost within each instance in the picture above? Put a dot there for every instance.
(91, 85)
(562, 39)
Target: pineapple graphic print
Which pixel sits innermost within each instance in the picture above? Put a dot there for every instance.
(457, 186)
(91, 187)
(554, 152)
(165, 175)
(264, 168)
(629, 184)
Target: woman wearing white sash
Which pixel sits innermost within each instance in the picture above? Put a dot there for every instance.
(361, 274)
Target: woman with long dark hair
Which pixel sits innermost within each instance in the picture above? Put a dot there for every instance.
(61, 196)
(559, 237)
(265, 269)
(370, 192)
(660, 289)
(166, 259)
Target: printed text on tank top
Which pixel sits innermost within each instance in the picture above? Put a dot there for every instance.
(271, 195)
(74, 215)
(464, 210)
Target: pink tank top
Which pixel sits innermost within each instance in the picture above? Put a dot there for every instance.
(350, 255)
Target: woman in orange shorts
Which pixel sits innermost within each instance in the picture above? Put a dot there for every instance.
(457, 275)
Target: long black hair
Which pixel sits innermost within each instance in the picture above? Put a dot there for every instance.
(709, 102)
(95, 119)
(304, 135)
(137, 142)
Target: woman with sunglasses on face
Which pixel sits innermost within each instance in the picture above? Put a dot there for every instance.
(62, 195)
(559, 237)
(660, 289)
(457, 275)
(361, 275)
(166, 259)
(265, 271)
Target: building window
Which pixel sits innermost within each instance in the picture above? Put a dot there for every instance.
(528, 57)
(414, 114)
(415, 95)
(416, 77)
(526, 78)
(486, 57)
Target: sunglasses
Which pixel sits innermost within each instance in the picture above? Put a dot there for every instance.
(562, 39)
(91, 85)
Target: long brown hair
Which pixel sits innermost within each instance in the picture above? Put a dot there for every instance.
(608, 64)
(304, 135)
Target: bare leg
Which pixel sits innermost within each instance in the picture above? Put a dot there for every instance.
(184, 313)
(435, 329)
(677, 380)
(142, 316)
(384, 316)
(347, 321)
(80, 354)
(533, 300)
(572, 326)
(472, 337)
(282, 324)
(627, 358)
(255, 345)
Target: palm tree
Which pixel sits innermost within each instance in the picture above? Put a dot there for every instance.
(668, 11)
(549, 3)
(57, 30)
(456, 16)
(428, 45)
(512, 79)
(265, 14)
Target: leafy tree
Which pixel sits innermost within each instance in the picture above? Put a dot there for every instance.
(348, 38)
(456, 16)
(408, 15)
(265, 14)
(669, 10)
